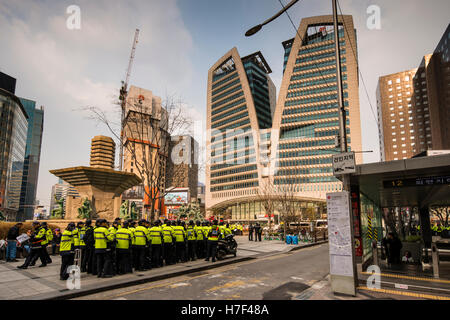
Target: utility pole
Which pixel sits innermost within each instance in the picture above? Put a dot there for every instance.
(124, 94)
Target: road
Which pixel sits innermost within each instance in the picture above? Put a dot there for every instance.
(282, 276)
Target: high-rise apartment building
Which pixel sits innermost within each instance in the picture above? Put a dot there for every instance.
(32, 159)
(397, 130)
(414, 106)
(437, 75)
(306, 119)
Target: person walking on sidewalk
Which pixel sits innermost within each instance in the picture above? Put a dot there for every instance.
(260, 230)
(11, 248)
(250, 232)
(67, 251)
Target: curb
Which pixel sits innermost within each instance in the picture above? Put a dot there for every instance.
(308, 245)
(407, 286)
(92, 289)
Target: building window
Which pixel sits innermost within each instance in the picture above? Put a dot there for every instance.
(390, 82)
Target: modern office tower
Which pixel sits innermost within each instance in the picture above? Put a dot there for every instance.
(306, 118)
(7, 83)
(32, 159)
(13, 139)
(145, 140)
(182, 166)
(397, 128)
(240, 103)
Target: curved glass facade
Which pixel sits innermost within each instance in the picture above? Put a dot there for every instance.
(13, 140)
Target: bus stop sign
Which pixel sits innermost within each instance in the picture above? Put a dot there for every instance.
(344, 163)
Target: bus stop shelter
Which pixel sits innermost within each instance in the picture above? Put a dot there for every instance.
(396, 197)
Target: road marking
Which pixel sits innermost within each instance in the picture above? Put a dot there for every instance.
(390, 275)
(180, 284)
(403, 293)
(238, 283)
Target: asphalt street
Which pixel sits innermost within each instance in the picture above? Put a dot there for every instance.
(281, 276)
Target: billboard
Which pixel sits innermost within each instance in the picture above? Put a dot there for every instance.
(174, 198)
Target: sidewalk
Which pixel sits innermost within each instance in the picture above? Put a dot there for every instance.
(37, 283)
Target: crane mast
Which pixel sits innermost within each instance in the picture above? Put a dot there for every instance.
(123, 95)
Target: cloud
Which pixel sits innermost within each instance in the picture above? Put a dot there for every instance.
(66, 69)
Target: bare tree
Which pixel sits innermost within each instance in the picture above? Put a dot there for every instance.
(288, 206)
(145, 136)
(267, 197)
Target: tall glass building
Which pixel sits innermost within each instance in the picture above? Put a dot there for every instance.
(32, 159)
(240, 106)
(306, 119)
(13, 139)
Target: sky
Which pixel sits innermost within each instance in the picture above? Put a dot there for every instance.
(67, 70)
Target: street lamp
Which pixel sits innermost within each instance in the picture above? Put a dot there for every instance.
(342, 138)
(255, 29)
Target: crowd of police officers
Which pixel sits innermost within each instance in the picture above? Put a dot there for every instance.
(107, 250)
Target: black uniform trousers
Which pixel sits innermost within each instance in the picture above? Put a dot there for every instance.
(104, 264)
(192, 247)
(156, 255)
(212, 250)
(124, 261)
(67, 259)
(200, 249)
(180, 248)
(168, 253)
(86, 263)
(140, 252)
(44, 254)
(259, 236)
(35, 253)
(250, 234)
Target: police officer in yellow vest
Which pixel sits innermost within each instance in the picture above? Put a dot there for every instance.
(134, 256)
(142, 237)
(191, 235)
(103, 241)
(168, 242)
(200, 241)
(213, 239)
(227, 230)
(67, 251)
(37, 237)
(180, 245)
(222, 230)
(113, 229)
(124, 240)
(156, 238)
(48, 238)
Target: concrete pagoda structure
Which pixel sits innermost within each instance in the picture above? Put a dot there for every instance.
(99, 183)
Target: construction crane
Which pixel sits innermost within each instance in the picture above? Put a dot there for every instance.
(123, 96)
